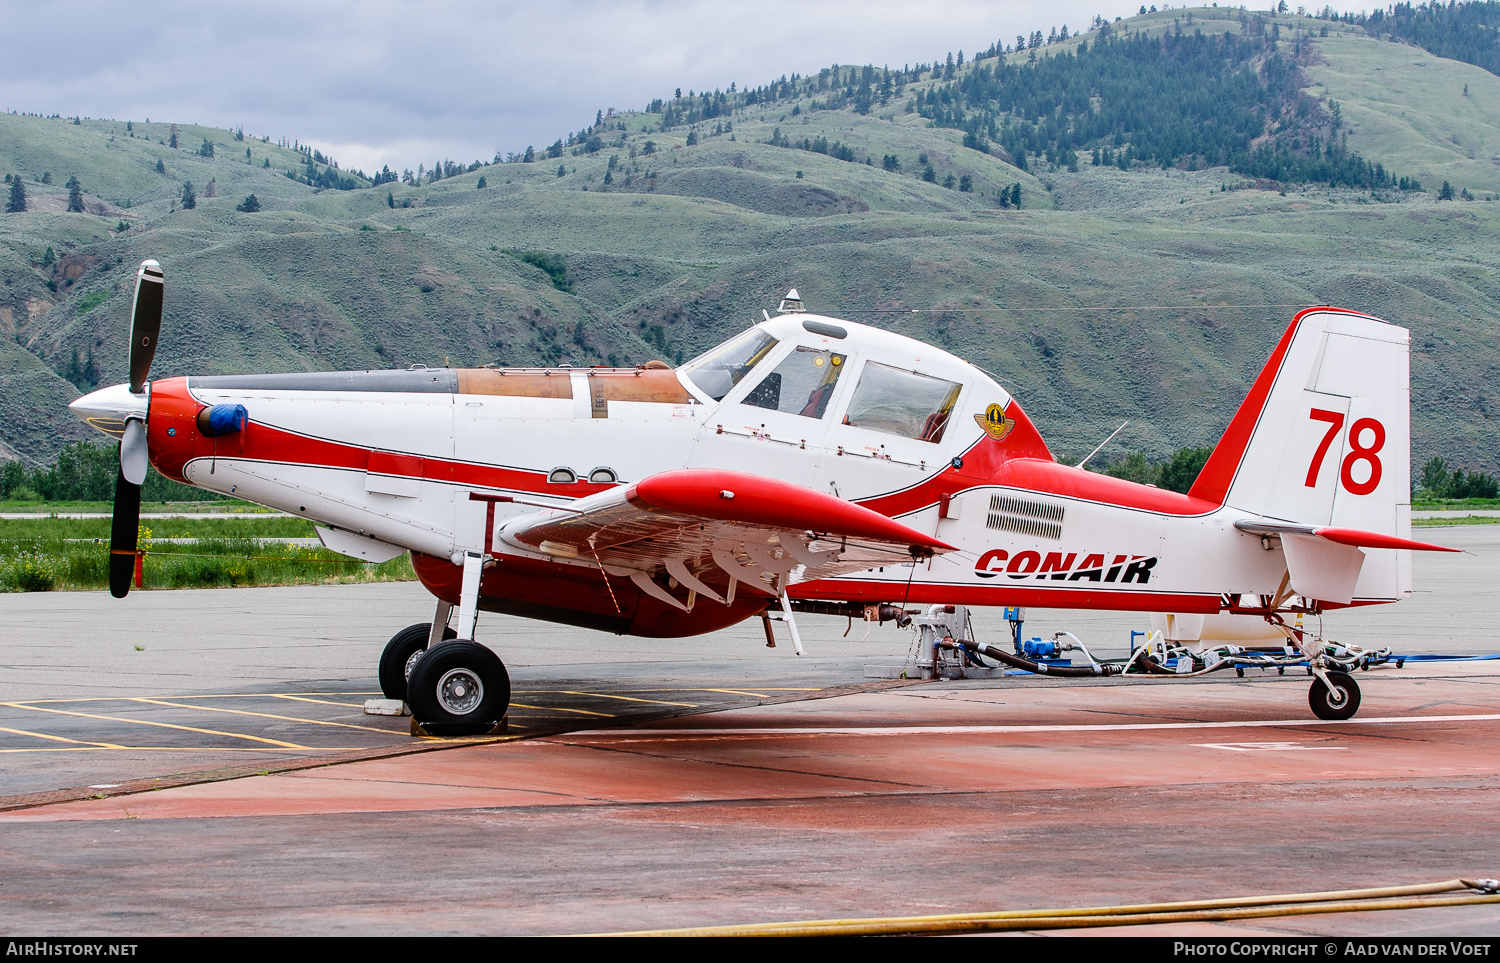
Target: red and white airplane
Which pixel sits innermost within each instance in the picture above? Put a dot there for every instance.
(808, 464)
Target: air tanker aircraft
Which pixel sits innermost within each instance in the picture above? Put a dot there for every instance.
(807, 464)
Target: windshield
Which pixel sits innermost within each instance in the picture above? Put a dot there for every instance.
(718, 371)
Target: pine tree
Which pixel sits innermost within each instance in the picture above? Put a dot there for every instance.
(250, 205)
(173, 142)
(17, 202)
(75, 195)
(1446, 194)
(189, 198)
(207, 150)
(160, 167)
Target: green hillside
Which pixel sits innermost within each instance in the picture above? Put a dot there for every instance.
(1150, 293)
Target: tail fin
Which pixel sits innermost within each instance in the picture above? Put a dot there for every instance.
(1324, 436)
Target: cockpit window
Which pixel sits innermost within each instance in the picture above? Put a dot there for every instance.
(718, 371)
(801, 384)
(902, 403)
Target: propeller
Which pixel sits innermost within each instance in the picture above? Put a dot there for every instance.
(145, 326)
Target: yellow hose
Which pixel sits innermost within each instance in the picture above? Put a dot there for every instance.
(1250, 907)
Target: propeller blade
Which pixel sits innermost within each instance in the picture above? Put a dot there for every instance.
(145, 323)
(123, 529)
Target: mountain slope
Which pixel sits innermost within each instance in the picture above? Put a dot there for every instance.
(1149, 294)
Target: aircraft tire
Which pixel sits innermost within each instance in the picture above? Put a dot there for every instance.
(1333, 706)
(459, 688)
(396, 661)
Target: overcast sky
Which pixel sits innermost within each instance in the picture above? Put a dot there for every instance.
(376, 82)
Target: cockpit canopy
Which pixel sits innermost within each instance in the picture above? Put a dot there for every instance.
(796, 364)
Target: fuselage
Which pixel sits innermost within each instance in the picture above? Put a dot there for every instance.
(413, 460)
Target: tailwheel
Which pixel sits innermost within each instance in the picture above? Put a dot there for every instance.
(401, 654)
(1339, 702)
(459, 688)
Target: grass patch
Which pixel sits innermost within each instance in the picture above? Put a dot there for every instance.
(66, 554)
(91, 301)
(40, 507)
(1454, 504)
(42, 565)
(206, 526)
(1450, 522)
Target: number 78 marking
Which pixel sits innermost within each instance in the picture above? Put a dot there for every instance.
(1357, 451)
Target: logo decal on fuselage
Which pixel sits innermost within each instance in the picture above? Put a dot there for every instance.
(994, 422)
(1057, 566)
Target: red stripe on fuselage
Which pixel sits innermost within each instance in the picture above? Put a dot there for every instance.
(174, 407)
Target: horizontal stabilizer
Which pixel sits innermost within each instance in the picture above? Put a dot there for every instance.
(1344, 536)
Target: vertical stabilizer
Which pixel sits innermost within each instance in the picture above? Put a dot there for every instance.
(1324, 437)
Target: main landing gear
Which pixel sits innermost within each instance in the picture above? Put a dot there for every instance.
(459, 688)
(453, 685)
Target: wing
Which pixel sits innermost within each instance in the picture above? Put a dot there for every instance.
(696, 523)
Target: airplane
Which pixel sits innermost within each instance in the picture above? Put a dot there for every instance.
(807, 464)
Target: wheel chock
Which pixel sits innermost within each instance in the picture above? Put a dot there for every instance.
(386, 707)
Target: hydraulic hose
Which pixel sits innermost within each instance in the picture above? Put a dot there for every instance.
(1000, 655)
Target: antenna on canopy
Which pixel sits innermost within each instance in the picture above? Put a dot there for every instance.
(791, 303)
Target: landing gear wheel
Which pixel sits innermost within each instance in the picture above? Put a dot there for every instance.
(1341, 702)
(401, 653)
(459, 688)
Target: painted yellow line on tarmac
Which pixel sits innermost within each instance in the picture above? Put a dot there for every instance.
(743, 692)
(585, 712)
(260, 715)
(321, 702)
(76, 742)
(603, 695)
(208, 695)
(698, 688)
(181, 749)
(163, 725)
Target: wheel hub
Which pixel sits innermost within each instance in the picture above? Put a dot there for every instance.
(459, 691)
(412, 660)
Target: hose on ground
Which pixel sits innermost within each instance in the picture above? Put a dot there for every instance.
(1040, 668)
(1463, 892)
